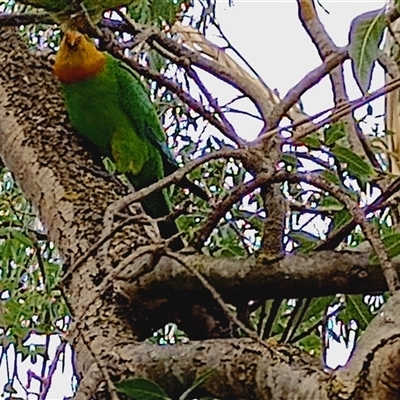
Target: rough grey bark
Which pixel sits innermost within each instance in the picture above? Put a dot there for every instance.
(320, 274)
(60, 178)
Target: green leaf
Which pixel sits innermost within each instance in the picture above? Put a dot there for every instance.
(141, 389)
(311, 344)
(334, 132)
(156, 60)
(198, 381)
(23, 239)
(331, 203)
(356, 309)
(4, 232)
(355, 164)
(331, 177)
(366, 32)
(392, 245)
(7, 252)
(290, 160)
(157, 11)
(312, 141)
(306, 240)
(318, 307)
(341, 218)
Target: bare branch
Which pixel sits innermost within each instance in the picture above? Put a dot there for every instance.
(230, 130)
(307, 82)
(225, 205)
(216, 62)
(334, 117)
(369, 230)
(26, 19)
(337, 236)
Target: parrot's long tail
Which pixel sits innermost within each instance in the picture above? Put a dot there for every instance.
(156, 205)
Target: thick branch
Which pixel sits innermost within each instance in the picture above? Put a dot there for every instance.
(376, 363)
(320, 274)
(242, 368)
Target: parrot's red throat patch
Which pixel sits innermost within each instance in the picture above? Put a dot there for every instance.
(75, 73)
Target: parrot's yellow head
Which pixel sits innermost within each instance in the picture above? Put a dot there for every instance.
(78, 58)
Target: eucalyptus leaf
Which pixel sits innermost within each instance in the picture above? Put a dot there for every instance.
(355, 164)
(312, 141)
(198, 381)
(307, 241)
(331, 177)
(392, 245)
(356, 309)
(341, 218)
(334, 132)
(141, 389)
(25, 240)
(290, 160)
(331, 203)
(366, 32)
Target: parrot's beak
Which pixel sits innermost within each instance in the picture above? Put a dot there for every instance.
(72, 38)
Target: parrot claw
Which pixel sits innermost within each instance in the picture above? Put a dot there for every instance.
(107, 176)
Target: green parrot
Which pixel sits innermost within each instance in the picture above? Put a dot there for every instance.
(94, 8)
(108, 104)
(78, 14)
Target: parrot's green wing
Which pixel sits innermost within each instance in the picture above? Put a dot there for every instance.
(137, 104)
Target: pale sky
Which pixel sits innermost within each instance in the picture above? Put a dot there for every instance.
(269, 35)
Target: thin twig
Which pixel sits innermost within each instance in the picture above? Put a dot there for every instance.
(217, 297)
(337, 236)
(307, 82)
(334, 117)
(242, 81)
(224, 206)
(369, 230)
(230, 130)
(176, 177)
(52, 369)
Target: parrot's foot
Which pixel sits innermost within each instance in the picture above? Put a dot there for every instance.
(107, 176)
